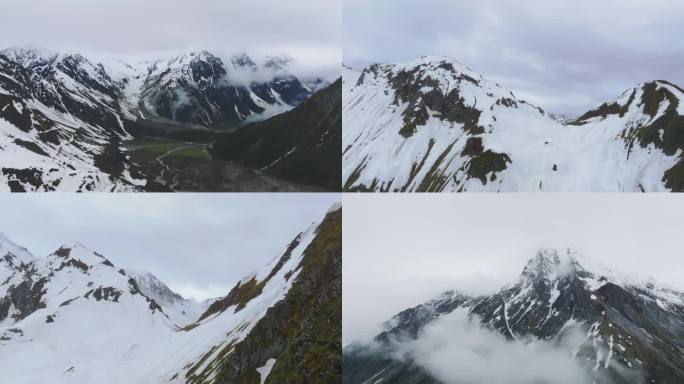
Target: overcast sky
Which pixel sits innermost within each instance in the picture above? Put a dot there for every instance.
(567, 56)
(402, 249)
(307, 30)
(198, 244)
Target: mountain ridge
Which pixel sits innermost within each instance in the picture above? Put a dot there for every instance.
(432, 124)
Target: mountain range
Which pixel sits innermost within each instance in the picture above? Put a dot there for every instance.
(621, 328)
(433, 124)
(75, 317)
(70, 123)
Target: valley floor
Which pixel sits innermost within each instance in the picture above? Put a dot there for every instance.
(188, 166)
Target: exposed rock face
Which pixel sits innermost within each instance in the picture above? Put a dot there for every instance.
(24, 298)
(633, 328)
(433, 125)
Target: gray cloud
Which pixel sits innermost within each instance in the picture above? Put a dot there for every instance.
(567, 56)
(308, 30)
(401, 250)
(458, 349)
(199, 244)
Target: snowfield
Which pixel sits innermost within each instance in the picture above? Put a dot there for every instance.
(433, 124)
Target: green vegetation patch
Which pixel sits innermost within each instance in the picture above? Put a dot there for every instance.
(191, 152)
(303, 331)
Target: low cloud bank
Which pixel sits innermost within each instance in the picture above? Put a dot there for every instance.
(458, 349)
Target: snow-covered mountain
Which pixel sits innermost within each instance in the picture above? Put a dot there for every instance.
(432, 124)
(179, 309)
(631, 328)
(74, 317)
(201, 88)
(60, 125)
(63, 117)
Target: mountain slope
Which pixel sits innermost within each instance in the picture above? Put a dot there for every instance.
(59, 125)
(432, 124)
(301, 145)
(631, 328)
(303, 330)
(74, 317)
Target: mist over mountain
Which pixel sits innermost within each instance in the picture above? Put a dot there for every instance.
(565, 318)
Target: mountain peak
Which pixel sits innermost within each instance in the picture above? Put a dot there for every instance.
(243, 60)
(81, 255)
(277, 62)
(7, 246)
(76, 245)
(551, 264)
(436, 59)
(190, 57)
(441, 62)
(154, 288)
(27, 55)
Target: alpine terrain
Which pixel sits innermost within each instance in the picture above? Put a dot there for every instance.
(631, 329)
(75, 317)
(433, 124)
(70, 123)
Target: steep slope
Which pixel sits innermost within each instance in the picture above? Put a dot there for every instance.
(59, 125)
(632, 327)
(649, 120)
(74, 317)
(432, 124)
(302, 145)
(298, 339)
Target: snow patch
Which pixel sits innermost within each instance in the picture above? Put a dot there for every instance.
(265, 370)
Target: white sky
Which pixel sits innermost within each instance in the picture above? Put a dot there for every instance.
(402, 249)
(307, 30)
(198, 244)
(567, 56)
